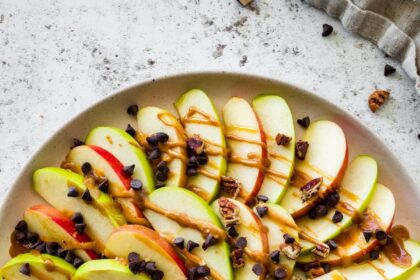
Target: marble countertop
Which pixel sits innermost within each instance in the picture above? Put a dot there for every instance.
(58, 57)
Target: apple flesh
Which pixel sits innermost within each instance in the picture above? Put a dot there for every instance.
(252, 229)
(53, 226)
(352, 240)
(57, 269)
(415, 275)
(149, 245)
(152, 120)
(101, 216)
(356, 191)
(106, 269)
(246, 141)
(216, 165)
(326, 157)
(127, 150)
(184, 201)
(333, 275)
(276, 117)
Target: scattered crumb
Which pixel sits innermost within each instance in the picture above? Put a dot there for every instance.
(1, 19)
(245, 2)
(243, 60)
(48, 26)
(151, 62)
(377, 99)
(218, 52)
(240, 22)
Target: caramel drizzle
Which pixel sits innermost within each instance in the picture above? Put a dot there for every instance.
(209, 120)
(280, 157)
(243, 128)
(209, 174)
(241, 139)
(309, 238)
(281, 220)
(200, 191)
(347, 209)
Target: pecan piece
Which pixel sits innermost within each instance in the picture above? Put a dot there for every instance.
(245, 2)
(237, 257)
(291, 250)
(283, 140)
(229, 212)
(231, 186)
(322, 250)
(195, 144)
(315, 272)
(301, 149)
(310, 189)
(377, 98)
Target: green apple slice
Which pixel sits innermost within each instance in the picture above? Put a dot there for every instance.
(352, 242)
(101, 216)
(152, 120)
(276, 117)
(107, 269)
(356, 191)
(383, 268)
(250, 227)
(183, 201)
(212, 134)
(127, 150)
(326, 157)
(41, 266)
(277, 223)
(415, 275)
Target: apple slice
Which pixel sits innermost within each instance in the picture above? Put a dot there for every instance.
(278, 222)
(199, 117)
(383, 268)
(246, 142)
(188, 206)
(127, 150)
(53, 226)
(38, 266)
(352, 242)
(101, 216)
(326, 157)
(250, 227)
(104, 164)
(333, 275)
(106, 270)
(356, 191)
(149, 245)
(415, 275)
(276, 118)
(153, 120)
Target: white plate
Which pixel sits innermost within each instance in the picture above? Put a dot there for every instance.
(219, 86)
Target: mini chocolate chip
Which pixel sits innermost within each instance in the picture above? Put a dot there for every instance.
(129, 170)
(130, 130)
(304, 122)
(331, 243)
(77, 262)
(312, 213)
(192, 172)
(203, 271)
(86, 195)
(241, 242)
(80, 228)
(326, 267)
(152, 140)
(77, 142)
(232, 232)
(367, 234)
(51, 248)
(40, 246)
(332, 199)
(21, 236)
(73, 192)
(192, 162)
(262, 198)
(202, 158)
(262, 210)
(258, 269)
(191, 245)
(157, 275)
(86, 168)
(162, 167)
(280, 274)
(380, 234)
(154, 154)
(61, 252)
(136, 184)
(21, 226)
(133, 257)
(301, 149)
(133, 109)
(288, 238)
(161, 176)
(374, 254)
(104, 186)
(192, 273)
(326, 30)
(69, 257)
(338, 217)
(388, 70)
(77, 218)
(209, 241)
(162, 137)
(135, 267)
(275, 256)
(179, 242)
(25, 269)
(321, 210)
(150, 267)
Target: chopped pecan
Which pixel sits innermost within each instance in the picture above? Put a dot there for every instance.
(315, 272)
(283, 140)
(301, 149)
(195, 144)
(231, 186)
(229, 212)
(245, 2)
(322, 250)
(377, 98)
(291, 250)
(310, 189)
(237, 257)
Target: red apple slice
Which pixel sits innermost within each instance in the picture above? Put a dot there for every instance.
(246, 141)
(150, 246)
(53, 226)
(107, 165)
(326, 157)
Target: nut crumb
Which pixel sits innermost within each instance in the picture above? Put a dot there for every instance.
(244, 2)
(283, 140)
(377, 98)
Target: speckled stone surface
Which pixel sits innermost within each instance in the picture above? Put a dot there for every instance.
(58, 57)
